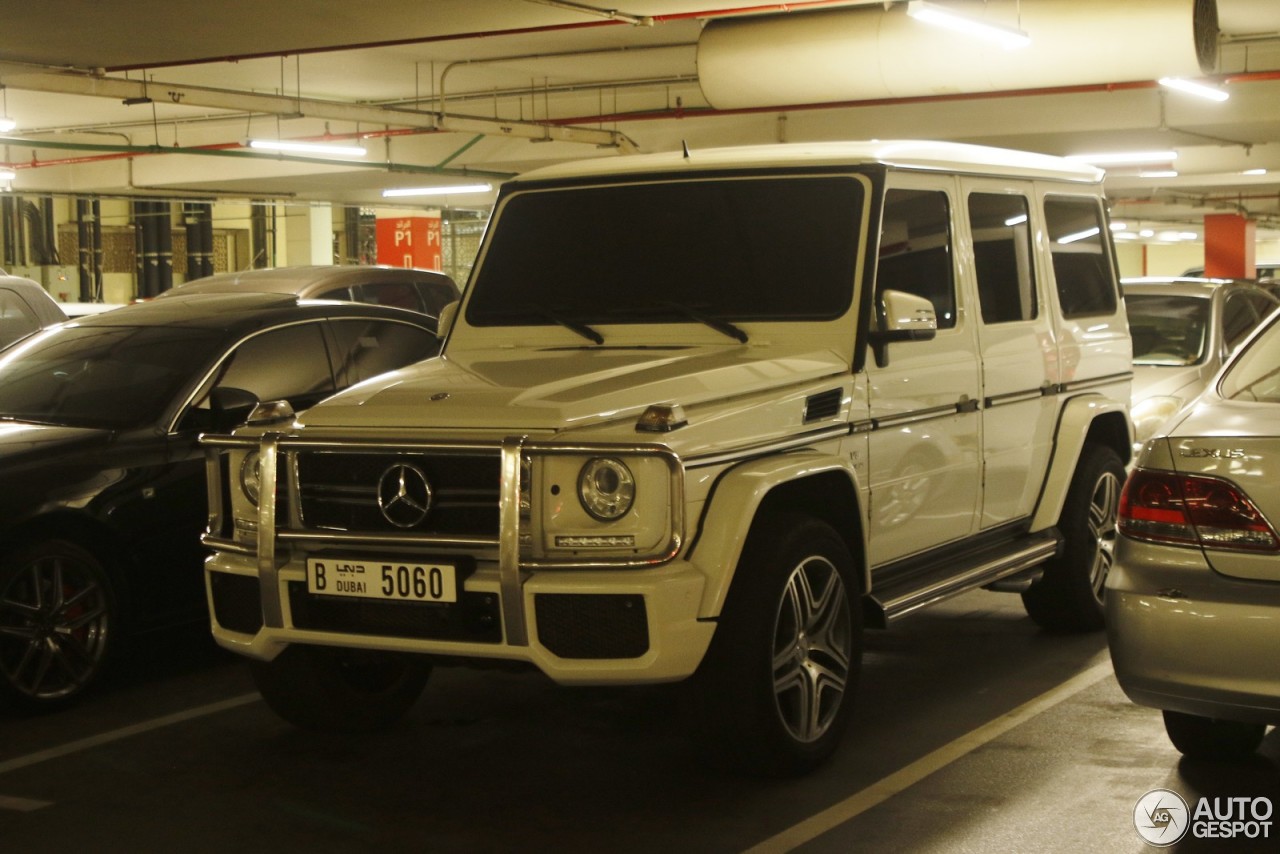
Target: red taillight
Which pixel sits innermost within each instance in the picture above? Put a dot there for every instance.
(1192, 510)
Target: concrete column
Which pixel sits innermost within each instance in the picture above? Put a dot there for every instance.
(1229, 246)
(309, 235)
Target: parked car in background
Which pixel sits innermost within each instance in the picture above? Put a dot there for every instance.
(25, 307)
(84, 309)
(425, 291)
(102, 480)
(1261, 270)
(1183, 330)
(1193, 601)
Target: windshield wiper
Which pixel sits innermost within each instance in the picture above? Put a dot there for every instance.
(568, 323)
(722, 326)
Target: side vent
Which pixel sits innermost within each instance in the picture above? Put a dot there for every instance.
(823, 405)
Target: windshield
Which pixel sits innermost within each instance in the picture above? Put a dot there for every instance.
(1168, 330)
(109, 377)
(1255, 373)
(706, 251)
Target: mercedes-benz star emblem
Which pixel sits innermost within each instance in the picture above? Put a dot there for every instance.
(404, 496)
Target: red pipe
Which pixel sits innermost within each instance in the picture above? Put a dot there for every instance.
(515, 31)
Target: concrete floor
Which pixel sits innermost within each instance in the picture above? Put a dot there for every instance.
(973, 731)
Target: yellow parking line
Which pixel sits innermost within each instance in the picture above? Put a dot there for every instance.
(879, 792)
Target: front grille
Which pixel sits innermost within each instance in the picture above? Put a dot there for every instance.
(475, 617)
(339, 491)
(583, 625)
(237, 602)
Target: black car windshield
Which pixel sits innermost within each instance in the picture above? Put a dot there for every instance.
(1167, 330)
(110, 377)
(687, 251)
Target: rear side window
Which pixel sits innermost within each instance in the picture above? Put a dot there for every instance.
(1081, 266)
(395, 294)
(915, 250)
(1002, 257)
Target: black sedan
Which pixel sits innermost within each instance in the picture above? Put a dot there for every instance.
(102, 487)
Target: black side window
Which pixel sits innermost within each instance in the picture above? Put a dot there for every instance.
(1081, 265)
(915, 250)
(1002, 257)
(290, 363)
(395, 294)
(16, 318)
(370, 347)
(1238, 318)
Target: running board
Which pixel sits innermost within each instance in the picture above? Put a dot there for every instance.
(893, 601)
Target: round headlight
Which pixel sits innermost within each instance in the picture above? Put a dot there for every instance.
(251, 476)
(606, 488)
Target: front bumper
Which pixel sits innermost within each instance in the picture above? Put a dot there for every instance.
(583, 627)
(1185, 638)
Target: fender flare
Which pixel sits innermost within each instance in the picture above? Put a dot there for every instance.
(1078, 416)
(734, 503)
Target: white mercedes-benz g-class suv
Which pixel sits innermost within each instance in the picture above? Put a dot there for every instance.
(712, 414)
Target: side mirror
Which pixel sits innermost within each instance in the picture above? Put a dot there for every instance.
(903, 317)
(229, 407)
(445, 322)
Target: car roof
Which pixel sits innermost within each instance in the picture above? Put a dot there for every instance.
(902, 154)
(238, 312)
(1187, 286)
(36, 297)
(305, 279)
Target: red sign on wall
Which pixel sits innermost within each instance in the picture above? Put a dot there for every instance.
(411, 241)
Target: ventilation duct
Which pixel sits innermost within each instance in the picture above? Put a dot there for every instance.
(871, 52)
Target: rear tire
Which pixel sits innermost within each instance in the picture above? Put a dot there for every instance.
(1069, 596)
(1207, 738)
(336, 689)
(778, 682)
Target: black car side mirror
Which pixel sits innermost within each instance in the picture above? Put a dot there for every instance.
(230, 407)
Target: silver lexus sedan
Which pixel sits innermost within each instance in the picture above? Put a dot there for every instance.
(1193, 598)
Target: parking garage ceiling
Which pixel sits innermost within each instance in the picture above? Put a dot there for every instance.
(158, 97)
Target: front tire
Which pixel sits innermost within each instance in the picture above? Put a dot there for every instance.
(58, 620)
(335, 689)
(779, 679)
(1069, 596)
(1208, 738)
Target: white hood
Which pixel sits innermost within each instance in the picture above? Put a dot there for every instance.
(557, 389)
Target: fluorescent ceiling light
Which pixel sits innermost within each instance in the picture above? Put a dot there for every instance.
(1191, 87)
(448, 190)
(7, 124)
(1119, 226)
(1080, 235)
(1254, 172)
(308, 147)
(1114, 157)
(932, 13)
(7, 175)
(1016, 220)
(1158, 173)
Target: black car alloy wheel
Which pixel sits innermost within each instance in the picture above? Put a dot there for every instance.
(55, 622)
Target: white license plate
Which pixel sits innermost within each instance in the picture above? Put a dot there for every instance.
(377, 579)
